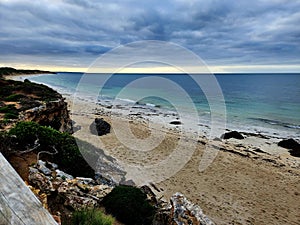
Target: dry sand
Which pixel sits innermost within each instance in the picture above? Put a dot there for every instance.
(251, 181)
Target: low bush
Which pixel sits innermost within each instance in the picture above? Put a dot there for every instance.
(14, 97)
(68, 157)
(10, 111)
(41, 92)
(91, 217)
(6, 144)
(11, 116)
(129, 205)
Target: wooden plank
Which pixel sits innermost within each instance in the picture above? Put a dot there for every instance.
(18, 205)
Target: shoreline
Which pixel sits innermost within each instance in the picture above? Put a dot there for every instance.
(251, 181)
(157, 114)
(245, 184)
(252, 140)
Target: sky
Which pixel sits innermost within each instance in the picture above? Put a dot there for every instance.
(228, 35)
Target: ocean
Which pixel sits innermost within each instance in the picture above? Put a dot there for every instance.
(258, 103)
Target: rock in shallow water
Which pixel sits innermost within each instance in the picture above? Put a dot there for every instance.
(291, 144)
(232, 134)
(175, 122)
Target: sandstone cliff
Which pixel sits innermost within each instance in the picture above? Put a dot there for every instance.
(54, 114)
(27, 101)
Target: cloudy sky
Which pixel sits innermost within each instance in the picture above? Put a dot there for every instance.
(229, 35)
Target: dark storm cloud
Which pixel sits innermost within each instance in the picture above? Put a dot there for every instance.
(222, 32)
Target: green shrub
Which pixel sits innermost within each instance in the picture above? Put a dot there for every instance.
(91, 217)
(28, 103)
(68, 157)
(43, 92)
(10, 116)
(10, 112)
(8, 109)
(129, 205)
(6, 144)
(14, 97)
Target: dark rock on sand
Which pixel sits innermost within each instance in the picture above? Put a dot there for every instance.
(175, 122)
(232, 134)
(291, 144)
(100, 127)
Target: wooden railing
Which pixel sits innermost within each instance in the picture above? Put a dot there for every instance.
(18, 205)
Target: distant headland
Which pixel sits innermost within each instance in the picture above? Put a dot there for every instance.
(9, 71)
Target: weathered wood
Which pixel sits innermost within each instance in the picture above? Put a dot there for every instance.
(18, 205)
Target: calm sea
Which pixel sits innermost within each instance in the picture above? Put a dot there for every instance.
(267, 103)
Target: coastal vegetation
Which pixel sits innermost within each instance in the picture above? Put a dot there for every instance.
(4, 71)
(129, 205)
(20, 91)
(91, 217)
(58, 147)
(15, 98)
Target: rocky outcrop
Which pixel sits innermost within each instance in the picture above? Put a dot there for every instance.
(28, 101)
(54, 114)
(232, 134)
(184, 212)
(75, 193)
(100, 127)
(291, 144)
(181, 211)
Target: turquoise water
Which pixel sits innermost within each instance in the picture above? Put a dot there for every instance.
(255, 102)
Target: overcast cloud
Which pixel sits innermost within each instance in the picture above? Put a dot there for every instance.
(221, 32)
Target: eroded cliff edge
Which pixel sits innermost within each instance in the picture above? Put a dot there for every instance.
(27, 101)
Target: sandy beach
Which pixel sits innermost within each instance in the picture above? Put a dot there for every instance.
(250, 181)
(195, 101)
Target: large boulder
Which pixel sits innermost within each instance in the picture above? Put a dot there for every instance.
(291, 144)
(100, 127)
(232, 134)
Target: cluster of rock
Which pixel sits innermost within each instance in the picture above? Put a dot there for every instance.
(291, 144)
(76, 193)
(178, 211)
(79, 193)
(185, 212)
